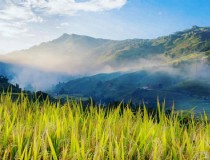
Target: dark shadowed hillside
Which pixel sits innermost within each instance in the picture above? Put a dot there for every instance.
(141, 87)
(6, 86)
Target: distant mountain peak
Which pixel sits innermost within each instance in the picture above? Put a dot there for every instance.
(62, 37)
(72, 36)
(195, 27)
(65, 35)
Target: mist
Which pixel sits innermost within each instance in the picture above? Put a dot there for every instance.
(50, 72)
(33, 79)
(41, 67)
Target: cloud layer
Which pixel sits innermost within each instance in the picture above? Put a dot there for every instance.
(69, 7)
(14, 18)
(16, 14)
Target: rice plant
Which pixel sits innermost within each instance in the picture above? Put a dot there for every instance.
(33, 130)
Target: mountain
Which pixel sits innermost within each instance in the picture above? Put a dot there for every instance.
(60, 55)
(118, 87)
(141, 87)
(196, 39)
(77, 54)
(70, 56)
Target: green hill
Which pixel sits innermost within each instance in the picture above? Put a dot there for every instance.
(196, 39)
(140, 87)
(77, 54)
(183, 43)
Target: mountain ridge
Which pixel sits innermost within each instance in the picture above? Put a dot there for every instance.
(73, 35)
(159, 40)
(84, 55)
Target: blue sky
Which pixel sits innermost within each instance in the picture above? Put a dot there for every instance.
(24, 23)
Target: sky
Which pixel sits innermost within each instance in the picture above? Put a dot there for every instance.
(24, 23)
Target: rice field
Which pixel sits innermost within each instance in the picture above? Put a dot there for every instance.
(33, 130)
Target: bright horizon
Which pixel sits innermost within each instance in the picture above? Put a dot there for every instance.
(27, 23)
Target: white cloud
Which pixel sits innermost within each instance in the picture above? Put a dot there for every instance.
(16, 14)
(70, 7)
(12, 29)
(14, 19)
(24, 9)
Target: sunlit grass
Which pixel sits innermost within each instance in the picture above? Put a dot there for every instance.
(31, 130)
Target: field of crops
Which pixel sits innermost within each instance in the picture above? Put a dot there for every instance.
(31, 130)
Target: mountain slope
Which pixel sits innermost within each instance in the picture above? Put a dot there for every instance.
(141, 87)
(51, 62)
(5, 86)
(119, 87)
(196, 39)
(76, 54)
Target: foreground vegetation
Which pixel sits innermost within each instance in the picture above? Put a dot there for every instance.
(34, 130)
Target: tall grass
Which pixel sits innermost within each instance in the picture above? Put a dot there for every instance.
(33, 130)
